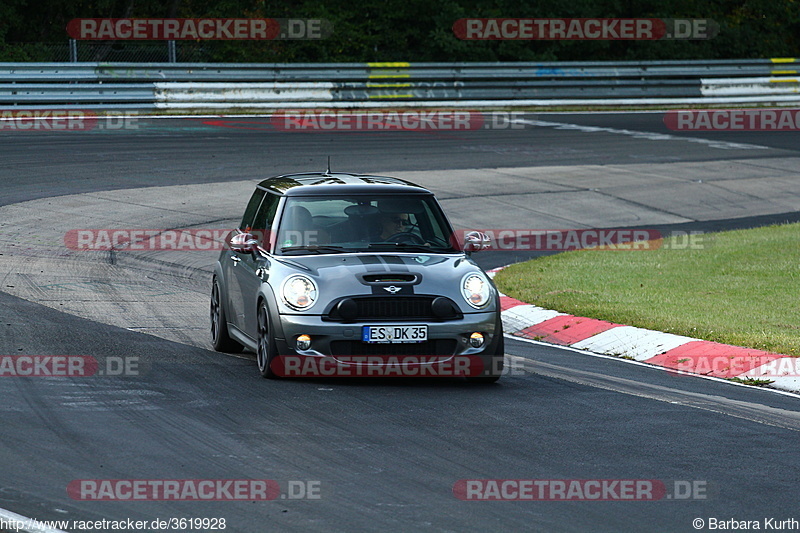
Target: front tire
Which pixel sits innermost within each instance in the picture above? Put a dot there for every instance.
(266, 350)
(220, 339)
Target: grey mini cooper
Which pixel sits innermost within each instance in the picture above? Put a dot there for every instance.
(334, 274)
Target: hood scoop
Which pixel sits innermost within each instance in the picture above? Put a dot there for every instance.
(390, 277)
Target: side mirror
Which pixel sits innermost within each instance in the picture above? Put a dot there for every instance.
(475, 241)
(244, 243)
(261, 239)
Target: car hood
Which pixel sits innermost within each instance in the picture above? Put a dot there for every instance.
(340, 275)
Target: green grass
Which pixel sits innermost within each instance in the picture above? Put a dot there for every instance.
(741, 288)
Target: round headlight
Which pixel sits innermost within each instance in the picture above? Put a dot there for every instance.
(476, 290)
(299, 292)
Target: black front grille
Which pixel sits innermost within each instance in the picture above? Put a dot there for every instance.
(430, 347)
(400, 307)
(405, 308)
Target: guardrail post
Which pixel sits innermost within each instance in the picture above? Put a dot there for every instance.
(171, 52)
(73, 51)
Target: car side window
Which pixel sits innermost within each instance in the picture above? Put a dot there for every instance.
(252, 207)
(264, 217)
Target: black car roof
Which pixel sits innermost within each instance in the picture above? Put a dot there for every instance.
(336, 183)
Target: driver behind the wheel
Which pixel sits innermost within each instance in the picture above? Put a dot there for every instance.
(393, 223)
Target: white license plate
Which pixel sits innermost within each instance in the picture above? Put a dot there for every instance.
(394, 334)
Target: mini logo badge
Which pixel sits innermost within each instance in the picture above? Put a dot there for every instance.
(392, 289)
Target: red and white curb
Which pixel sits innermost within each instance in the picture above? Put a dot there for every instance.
(683, 354)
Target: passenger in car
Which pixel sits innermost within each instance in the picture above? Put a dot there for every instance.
(298, 229)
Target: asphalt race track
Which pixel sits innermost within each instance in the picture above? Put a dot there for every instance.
(384, 454)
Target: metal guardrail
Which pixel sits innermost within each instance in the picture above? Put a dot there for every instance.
(90, 93)
(245, 85)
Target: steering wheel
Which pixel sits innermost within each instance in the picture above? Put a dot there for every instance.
(405, 237)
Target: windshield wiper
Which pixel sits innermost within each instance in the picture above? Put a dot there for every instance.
(317, 248)
(404, 246)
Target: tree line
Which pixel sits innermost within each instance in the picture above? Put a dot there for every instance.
(422, 30)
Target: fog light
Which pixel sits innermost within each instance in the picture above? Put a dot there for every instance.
(303, 342)
(476, 340)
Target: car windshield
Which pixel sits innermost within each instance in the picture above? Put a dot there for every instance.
(337, 224)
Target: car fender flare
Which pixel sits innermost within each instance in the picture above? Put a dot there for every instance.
(266, 294)
(223, 288)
